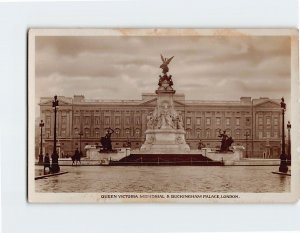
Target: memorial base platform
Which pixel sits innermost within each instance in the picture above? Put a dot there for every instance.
(166, 160)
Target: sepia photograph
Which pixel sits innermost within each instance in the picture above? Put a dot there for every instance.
(163, 115)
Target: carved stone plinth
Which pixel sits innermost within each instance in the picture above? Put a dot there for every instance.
(159, 141)
(165, 132)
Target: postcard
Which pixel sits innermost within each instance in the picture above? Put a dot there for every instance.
(163, 115)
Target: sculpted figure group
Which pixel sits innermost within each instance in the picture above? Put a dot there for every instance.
(165, 81)
(106, 140)
(164, 119)
(164, 116)
(225, 142)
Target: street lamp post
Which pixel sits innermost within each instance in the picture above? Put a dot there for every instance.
(54, 167)
(289, 126)
(41, 146)
(80, 135)
(247, 134)
(283, 158)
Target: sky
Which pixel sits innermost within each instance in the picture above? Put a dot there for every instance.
(203, 67)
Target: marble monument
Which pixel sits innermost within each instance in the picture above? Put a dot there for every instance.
(165, 132)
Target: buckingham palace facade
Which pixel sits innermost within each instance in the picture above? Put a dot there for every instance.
(253, 123)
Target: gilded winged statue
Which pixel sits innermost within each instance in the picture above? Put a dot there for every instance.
(164, 65)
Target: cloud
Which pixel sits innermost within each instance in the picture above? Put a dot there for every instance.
(204, 67)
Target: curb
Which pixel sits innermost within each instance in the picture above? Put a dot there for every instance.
(54, 174)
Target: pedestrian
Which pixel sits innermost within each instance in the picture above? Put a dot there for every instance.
(76, 157)
(46, 162)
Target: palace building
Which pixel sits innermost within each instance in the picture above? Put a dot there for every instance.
(252, 123)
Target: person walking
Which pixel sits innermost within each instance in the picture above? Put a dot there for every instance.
(47, 162)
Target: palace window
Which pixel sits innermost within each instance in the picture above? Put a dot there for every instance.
(97, 133)
(260, 134)
(268, 134)
(198, 120)
(63, 133)
(237, 121)
(260, 120)
(238, 134)
(76, 131)
(188, 133)
(87, 132)
(207, 133)
(87, 120)
(208, 121)
(198, 133)
(77, 120)
(275, 134)
(227, 121)
(107, 120)
(137, 133)
(218, 120)
(188, 120)
(247, 121)
(127, 132)
(117, 120)
(48, 133)
(64, 120)
(268, 120)
(127, 120)
(97, 120)
(48, 121)
(137, 120)
(248, 131)
(276, 121)
(117, 132)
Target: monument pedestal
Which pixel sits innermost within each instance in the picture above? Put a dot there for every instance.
(165, 133)
(165, 141)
